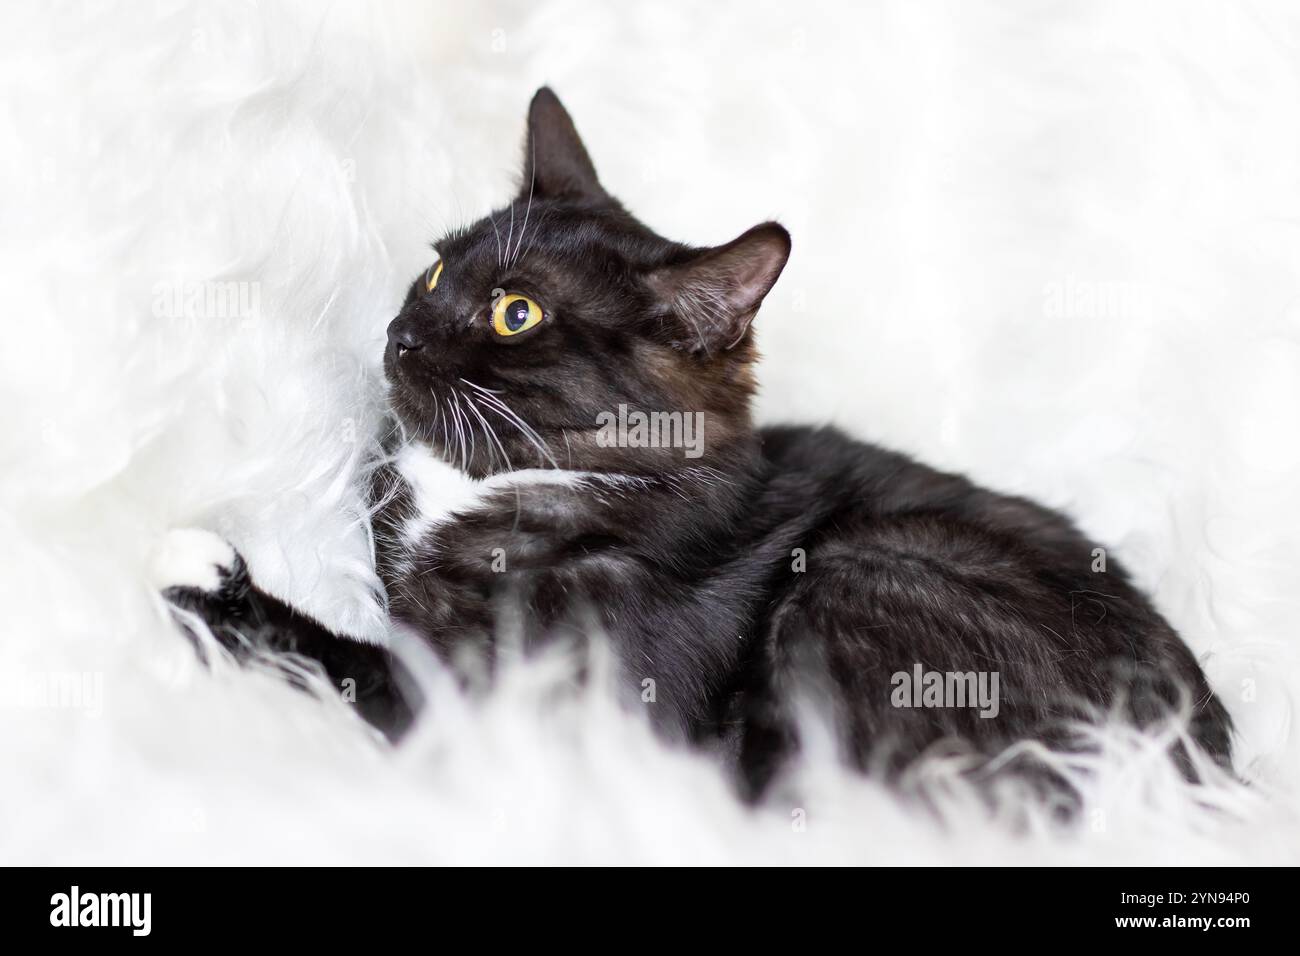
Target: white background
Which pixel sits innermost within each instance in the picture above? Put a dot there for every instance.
(1054, 245)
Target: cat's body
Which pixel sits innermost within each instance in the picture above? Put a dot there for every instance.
(729, 576)
(812, 563)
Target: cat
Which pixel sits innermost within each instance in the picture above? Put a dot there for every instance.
(576, 459)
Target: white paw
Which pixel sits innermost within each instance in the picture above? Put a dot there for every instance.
(191, 558)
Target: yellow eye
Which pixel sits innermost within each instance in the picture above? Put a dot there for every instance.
(515, 313)
(431, 277)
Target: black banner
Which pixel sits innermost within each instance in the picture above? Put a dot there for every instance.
(336, 906)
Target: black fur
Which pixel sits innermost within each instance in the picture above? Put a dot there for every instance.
(781, 561)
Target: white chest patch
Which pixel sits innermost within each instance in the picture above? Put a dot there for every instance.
(442, 492)
(438, 491)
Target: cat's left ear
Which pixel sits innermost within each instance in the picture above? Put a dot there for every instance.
(715, 296)
(556, 164)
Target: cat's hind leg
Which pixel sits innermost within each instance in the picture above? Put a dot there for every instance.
(917, 636)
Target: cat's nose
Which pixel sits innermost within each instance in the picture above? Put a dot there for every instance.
(403, 337)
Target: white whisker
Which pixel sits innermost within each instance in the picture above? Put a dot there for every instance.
(500, 408)
(527, 209)
(511, 234)
(496, 232)
(467, 438)
(488, 431)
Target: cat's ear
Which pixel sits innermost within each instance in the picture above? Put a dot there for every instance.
(556, 164)
(715, 295)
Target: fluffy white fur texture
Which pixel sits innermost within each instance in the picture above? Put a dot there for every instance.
(1054, 246)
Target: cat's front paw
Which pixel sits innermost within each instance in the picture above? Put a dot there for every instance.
(199, 571)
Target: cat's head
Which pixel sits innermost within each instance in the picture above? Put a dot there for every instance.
(539, 329)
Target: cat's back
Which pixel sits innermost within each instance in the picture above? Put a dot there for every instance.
(856, 487)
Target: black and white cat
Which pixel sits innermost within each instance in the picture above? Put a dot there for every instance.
(729, 568)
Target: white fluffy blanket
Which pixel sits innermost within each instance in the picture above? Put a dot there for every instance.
(1054, 246)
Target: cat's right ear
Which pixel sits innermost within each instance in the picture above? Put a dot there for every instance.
(556, 164)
